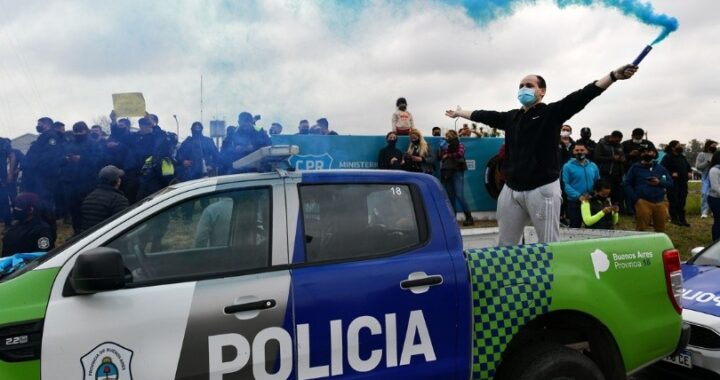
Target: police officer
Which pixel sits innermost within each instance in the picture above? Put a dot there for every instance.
(79, 171)
(41, 168)
(30, 233)
(197, 156)
(246, 139)
(141, 145)
(115, 148)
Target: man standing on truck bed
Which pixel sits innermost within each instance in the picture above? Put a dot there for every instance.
(532, 164)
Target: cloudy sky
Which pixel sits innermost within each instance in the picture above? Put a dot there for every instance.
(348, 61)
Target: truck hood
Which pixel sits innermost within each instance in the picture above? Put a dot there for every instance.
(701, 289)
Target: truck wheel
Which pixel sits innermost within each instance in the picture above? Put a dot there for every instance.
(550, 361)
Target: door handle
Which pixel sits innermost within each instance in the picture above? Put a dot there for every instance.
(421, 282)
(250, 306)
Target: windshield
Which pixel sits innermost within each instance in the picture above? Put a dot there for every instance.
(57, 250)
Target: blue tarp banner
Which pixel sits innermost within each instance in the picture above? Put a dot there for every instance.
(361, 152)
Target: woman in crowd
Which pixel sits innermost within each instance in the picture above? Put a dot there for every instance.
(452, 172)
(702, 163)
(713, 183)
(418, 157)
(680, 171)
(390, 156)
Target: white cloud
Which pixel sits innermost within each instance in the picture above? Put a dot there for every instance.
(292, 60)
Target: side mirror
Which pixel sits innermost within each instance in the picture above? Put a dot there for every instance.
(696, 250)
(98, 269)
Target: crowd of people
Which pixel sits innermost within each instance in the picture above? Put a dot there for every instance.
(83, 176)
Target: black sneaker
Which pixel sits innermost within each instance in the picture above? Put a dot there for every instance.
(469, 222)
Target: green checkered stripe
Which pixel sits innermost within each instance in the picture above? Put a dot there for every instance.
(510, 286)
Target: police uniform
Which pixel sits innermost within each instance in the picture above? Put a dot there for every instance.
(30, 236)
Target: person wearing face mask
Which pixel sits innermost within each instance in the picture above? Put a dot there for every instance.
(402, 120)
(585, 139)
(566, 144)
(452, 174)
(247, 138)
(78, 172)
(418, 157)
(578, 176)
(681, 172)
(702, 163)
(645, 184)
(29, 233)
(390, 156)
(631, 147)
(532, 164)
(41, 167)
(198, 156)
(598, 212)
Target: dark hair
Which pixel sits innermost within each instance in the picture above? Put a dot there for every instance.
(400, 101)
(45, 120)
(671, 145)
(580, 143)
(322, 122)
(124, 121)
(390, 133)
(602, 184)
(541, 81)
(144, 122)
(196, 124)
(708, 144)
(715, 160)
(80, 127)
(58, 124)
(304, 121)
(436, 129)
(617, 134)
(638, 132)
(154, 118)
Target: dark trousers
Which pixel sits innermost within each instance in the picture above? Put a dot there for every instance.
(5, 210)
(714, 204)
(130, 185)
(73, 201)
(617, 193)
(573, 213)
(455, 188)
(677, 197)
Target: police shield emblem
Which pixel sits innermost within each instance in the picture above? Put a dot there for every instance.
(109, 361)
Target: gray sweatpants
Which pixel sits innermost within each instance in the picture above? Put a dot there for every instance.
(516, 209)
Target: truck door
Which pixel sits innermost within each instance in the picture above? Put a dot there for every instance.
(205, 297)
(376, 293)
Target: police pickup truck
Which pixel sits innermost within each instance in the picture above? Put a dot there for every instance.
(353, 274)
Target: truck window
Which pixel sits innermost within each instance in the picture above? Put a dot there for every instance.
(351, 221)
(219, 233)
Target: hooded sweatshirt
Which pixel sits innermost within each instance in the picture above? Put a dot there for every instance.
(578, 178)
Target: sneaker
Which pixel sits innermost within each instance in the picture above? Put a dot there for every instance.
(704, 216)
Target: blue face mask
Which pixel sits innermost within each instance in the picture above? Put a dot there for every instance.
(526, 96)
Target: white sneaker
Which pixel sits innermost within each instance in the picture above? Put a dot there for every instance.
(704, 216)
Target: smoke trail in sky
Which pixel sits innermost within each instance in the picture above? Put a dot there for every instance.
(487, 10)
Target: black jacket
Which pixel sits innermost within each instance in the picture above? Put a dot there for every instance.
(104, 202)
(26, 237)
(630, 146)
(603, 157)
(386, 154)
(531, 137)
(677, 164)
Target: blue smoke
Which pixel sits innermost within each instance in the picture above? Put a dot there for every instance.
(483, 11)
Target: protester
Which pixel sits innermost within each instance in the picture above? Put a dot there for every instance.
(680, 171)
(532, 190)
(390, 156)
(631, 147)
(97, 134)
(158, 171)
(246, 139)
(645, 185)
(106, 200)
(78, 172)
(324, 127)
(579, 175)
(452, 174)
(712, 182)
(702, 163)
(198, 156)
(275, 129)
(597, 209)
(402, 119)
(30, 233)
(418, 157)
(585, 139)
(566, 144)
(115, 148)
(303, 128)
(610, 159)
(41, 167)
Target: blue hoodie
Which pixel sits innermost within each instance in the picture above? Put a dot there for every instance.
(637, 186)
(579, 179)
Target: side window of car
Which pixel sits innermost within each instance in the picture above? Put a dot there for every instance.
(351, 221)
(218, 233)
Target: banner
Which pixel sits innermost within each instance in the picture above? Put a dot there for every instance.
(361, 152)
(129, 104)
